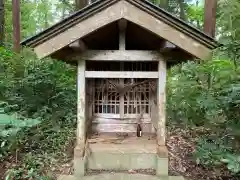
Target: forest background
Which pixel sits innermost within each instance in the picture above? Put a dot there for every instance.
(38, 97)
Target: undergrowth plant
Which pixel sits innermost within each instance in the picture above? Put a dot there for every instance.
(37, 113)
(195, 100)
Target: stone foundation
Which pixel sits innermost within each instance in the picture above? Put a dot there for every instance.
(121, 161)
(121, 176)
(80, 160)
(121, 155)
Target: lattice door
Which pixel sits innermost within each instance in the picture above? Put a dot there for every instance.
(137, 99)
(107, 100)
(109, 103)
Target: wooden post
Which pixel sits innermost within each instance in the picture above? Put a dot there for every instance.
(122, 24)
(81, 103)
(161, 125)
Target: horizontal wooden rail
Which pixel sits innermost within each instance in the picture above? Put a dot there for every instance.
(121, 74)
(120, 55)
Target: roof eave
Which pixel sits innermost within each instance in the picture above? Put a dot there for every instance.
(142, 4)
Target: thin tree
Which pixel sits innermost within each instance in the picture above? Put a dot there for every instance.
(1, 22)
(197, 20)
(182, 9)
(16, 24)
(79, 4)
(210, 11)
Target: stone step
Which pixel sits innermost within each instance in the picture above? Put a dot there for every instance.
(121, 161)
(121, 157)
(121, 176)
(126, 156)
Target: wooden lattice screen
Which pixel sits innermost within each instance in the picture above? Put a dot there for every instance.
(136, 100)
(109, 103)
(106, 99)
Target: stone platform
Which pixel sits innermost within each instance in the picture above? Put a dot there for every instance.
(127, 153)
(121, 176)
(121, 154)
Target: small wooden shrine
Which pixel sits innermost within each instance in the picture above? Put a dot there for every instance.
(122, 49)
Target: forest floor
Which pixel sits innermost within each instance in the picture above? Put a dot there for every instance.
(181, 145)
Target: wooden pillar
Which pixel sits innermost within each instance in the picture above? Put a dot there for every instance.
(161, 125)
(81, 104)
(122, 24)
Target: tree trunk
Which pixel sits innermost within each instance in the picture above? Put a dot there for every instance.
(182, 9)
(16, 25)
(2, 22)
(164, 4)
(79, 4)
(198, 22)
(210, 11)
(63, 12)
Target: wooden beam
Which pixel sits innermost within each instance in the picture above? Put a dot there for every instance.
(121, 83)
(161, 125)
(78, 45)
(121, 74)
(120, 55)
(81, 103)
(166, 46)
(122, 25)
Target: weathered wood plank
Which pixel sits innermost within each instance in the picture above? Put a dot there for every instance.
(78, 45)
(120, 55)
(122, 24)
(121, 74)
(101, 120)
(114, 128)
(81, 103)
(114, 121)
(161, 125)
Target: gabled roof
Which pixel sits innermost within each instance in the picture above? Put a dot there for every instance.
(144, 5)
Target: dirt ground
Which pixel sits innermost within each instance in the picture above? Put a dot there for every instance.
(181, 145)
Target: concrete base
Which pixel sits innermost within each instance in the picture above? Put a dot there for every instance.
(121, 176)
(121, 161)
(129, 154)
(162, 166)
(162, 161)
(80, 160)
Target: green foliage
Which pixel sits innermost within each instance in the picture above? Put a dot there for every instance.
(196, 100)
(39, 88)
(10, 125)
(216, 153)
(22, 174)
(233, 162)
(33, 90)
(205, 94)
